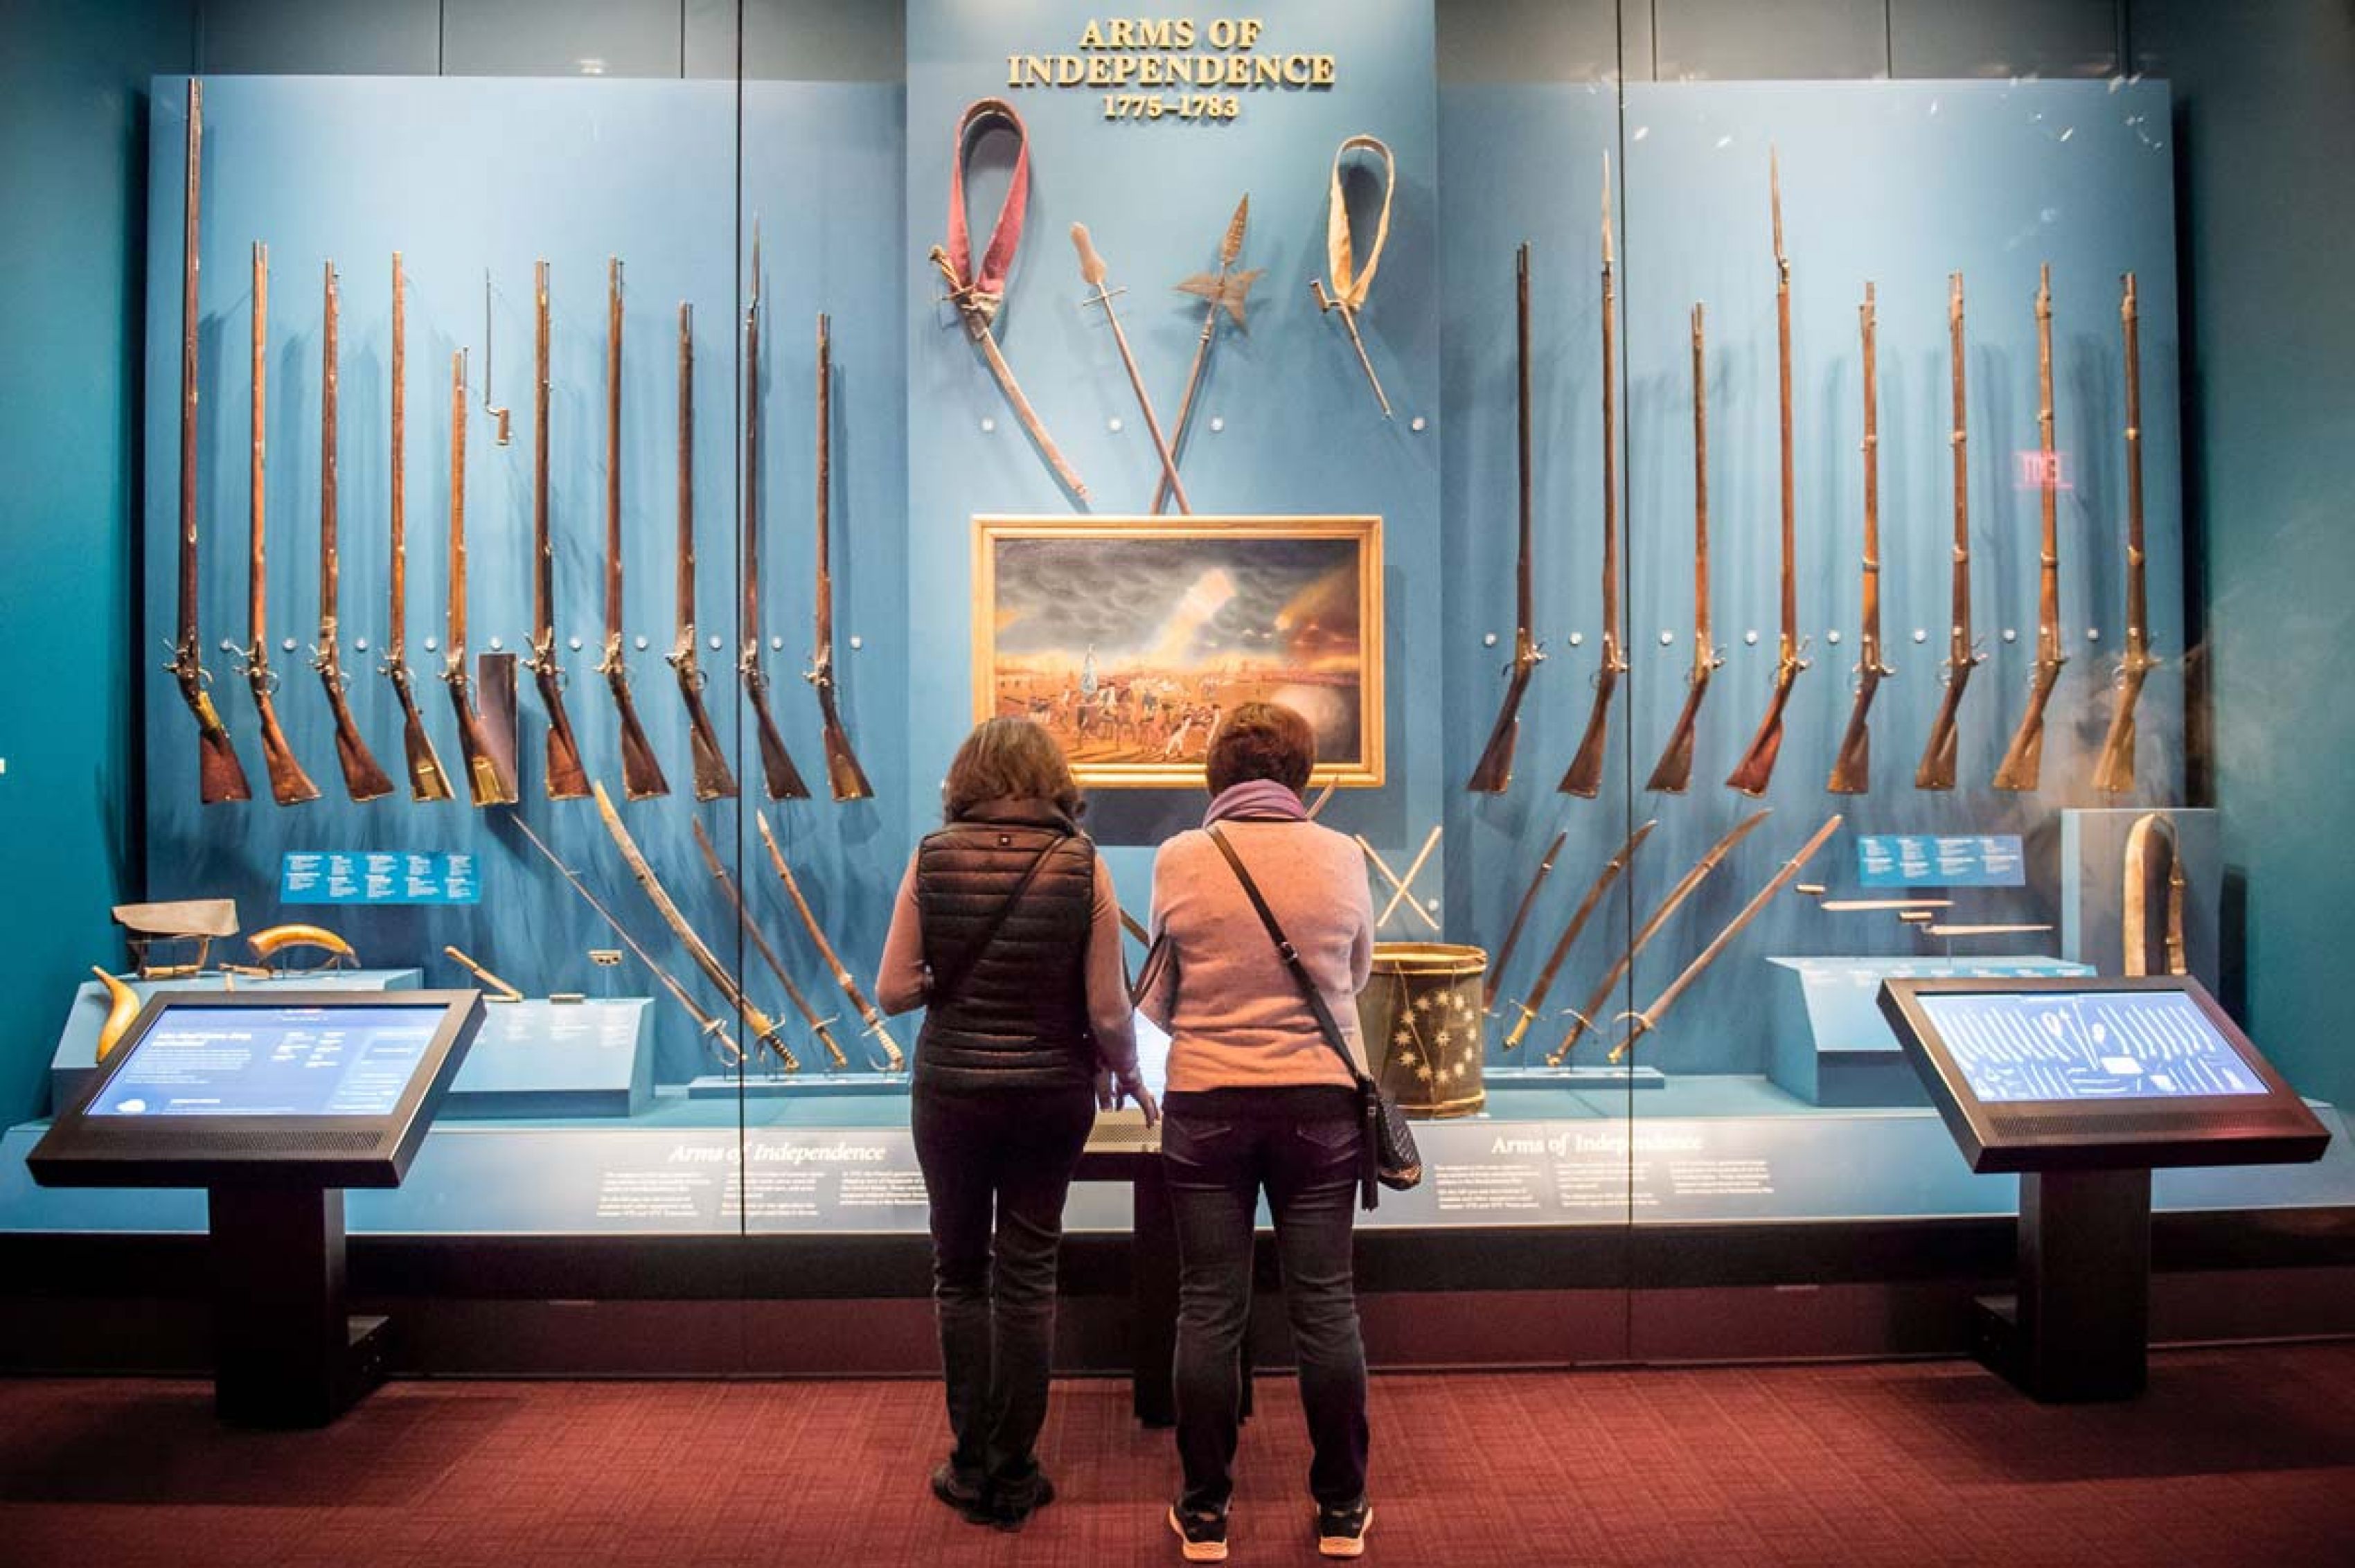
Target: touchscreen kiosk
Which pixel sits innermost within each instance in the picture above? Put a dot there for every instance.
(2073, 1073)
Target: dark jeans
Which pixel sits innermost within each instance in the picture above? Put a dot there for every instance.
(1217, 1167)
(997, 1166)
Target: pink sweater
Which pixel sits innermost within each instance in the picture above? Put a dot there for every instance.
(1234, 1015)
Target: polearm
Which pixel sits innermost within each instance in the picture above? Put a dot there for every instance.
(1756, 769)
(1587, 1017)
(1643, 1022)
(288, 784)
(566, 779)
(1603, 880)
(1492, 774)
(220, 775)
(1672, 775)
(711, 1028)
(1521, 921)
(1963, 653)
(1852, 768)
(844, 775)
(641, 775)
(363, 778)
(819, 1026)
(1584, 776)
(2023, 759)
(843, 977)
(2115, 772)
(777, 770)
(759, 1025)
(1093, 272)
(427, 782)
(486, 782)
(714, 780)
(1226, 290)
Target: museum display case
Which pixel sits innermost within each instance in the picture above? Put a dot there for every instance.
(1728, 535)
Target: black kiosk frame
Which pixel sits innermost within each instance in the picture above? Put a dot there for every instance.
(274, 1102)
(2083, 1086)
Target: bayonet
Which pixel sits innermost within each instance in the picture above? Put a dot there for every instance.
(758, 1024)
(1756, 769)
(2023, 759)
(427, 782)
(784, 779)
(1852, 769)
(876, 1031)
(288, 784)
(848, 779)
(1587, 1017)
(1226, 290)
(1492, 774)
(1672, 775)
(820, 1027)
(502, 418)
(2116, 773)
(1520, 919)
(713, 778)
(1584, 776)
(1963, 653)
(487, 781)
(363, 779)
(641, 775)
(1603, 880)
(1093, 272)
(220, 775)
(566, 779)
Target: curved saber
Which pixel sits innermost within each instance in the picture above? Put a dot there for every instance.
(1520, 919)
(893, 1059)
(793, 994)
(1586, 908)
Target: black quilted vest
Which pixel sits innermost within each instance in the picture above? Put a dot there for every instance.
(1019, 1017)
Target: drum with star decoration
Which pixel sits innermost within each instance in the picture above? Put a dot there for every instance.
(1420, 1015)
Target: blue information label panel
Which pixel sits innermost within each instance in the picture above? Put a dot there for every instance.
(377, 876)
(2089, 1045)
(1928, 860)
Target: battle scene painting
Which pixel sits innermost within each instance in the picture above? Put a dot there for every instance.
(1128, 640)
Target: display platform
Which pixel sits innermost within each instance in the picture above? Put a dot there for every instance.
(538, 1058)
(1832, 1047)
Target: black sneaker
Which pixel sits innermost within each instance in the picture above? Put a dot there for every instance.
(962, 1491)
(1341, 1532)
(1011, 1503)
(1202, 1538)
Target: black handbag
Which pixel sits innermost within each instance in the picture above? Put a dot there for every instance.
(1391, 1159)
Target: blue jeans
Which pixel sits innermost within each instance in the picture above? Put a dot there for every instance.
(1217, 1165)
(996, 1167)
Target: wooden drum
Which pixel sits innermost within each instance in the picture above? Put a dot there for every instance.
(1420, 1019)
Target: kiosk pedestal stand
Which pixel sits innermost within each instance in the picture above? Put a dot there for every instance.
(2079, 1328)
(286, 1353)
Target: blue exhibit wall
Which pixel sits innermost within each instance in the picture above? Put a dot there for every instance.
(73, 159)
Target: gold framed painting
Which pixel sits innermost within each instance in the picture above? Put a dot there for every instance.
(1128, 638)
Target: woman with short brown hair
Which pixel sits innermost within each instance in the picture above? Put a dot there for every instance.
(1008, 932)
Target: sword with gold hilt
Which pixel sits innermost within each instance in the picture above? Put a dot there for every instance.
(894, 1061)
(1601, 884)
(819, 1026)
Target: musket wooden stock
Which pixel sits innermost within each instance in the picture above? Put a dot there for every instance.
(641, 775)
(2115, 772)
(1583, 777)
(1756, 769)
(819, 1026)
(566, 779)
(876, 1028)
(486, 782)
(427, 782)
(1530, 1010)
(1936, 770)
(1672, 775)
(1852, 768)
(288, 784)
(2023, 760)
(714, 780)
(363, 778)
(777, 770)
(1520, 919)
(844, 775)
(220, 775)
(1493, 773)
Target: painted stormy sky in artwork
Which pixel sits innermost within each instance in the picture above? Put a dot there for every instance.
(1124, 595)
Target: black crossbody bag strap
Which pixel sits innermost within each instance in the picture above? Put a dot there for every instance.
(945, 985)
(1326, 1023)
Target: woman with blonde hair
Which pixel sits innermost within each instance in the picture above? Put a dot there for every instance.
(1008, 932)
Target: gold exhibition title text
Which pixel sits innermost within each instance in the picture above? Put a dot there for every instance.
(1124, 54)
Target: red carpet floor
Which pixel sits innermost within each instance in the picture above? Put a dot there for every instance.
(2239, 1457)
